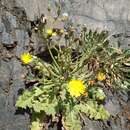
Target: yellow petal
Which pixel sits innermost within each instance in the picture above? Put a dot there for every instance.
(26, 58)
(76, 88)
(54, 34)
(49, 32)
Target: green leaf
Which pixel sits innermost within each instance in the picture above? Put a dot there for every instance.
(48, 107)
(93, 110)
(36, 125)
(37, 106)
(97, 94)
(38, 91)
(25, 100)
(72, 122)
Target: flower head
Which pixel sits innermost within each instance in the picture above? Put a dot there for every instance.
(54, 34)
(26, 58)
(76, 88)
(101, 76)
(49, 32)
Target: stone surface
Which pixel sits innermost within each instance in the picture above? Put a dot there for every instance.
(96, 14)
(34, 9)
(7, 26)
(4, 75)
(12, 31)
(2, 27)
(22, 39)
(9, 21)
(113, 106)
(9, 86)
(92, 125)
(6, 39)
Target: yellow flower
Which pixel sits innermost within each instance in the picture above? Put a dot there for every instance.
(76, 88)
(61, 31)
(26, 58)
(101, 76)
(54, 34)
(49, 32)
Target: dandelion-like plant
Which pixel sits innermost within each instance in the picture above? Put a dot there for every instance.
(72, 85)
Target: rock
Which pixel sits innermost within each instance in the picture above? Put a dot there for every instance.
(2, 28)
(9, 21)
(19, 122)
(4, 76)
(11, 122)
(16, 85)
(9, 24)
(12, 20)
(123, 95)
(23, 41)
(92, 125)
(2, 101)
(7, 39)
(34, 9)
(96, 14)
(10, 83)
(117, 124)
(17, 70)
(113, 106)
